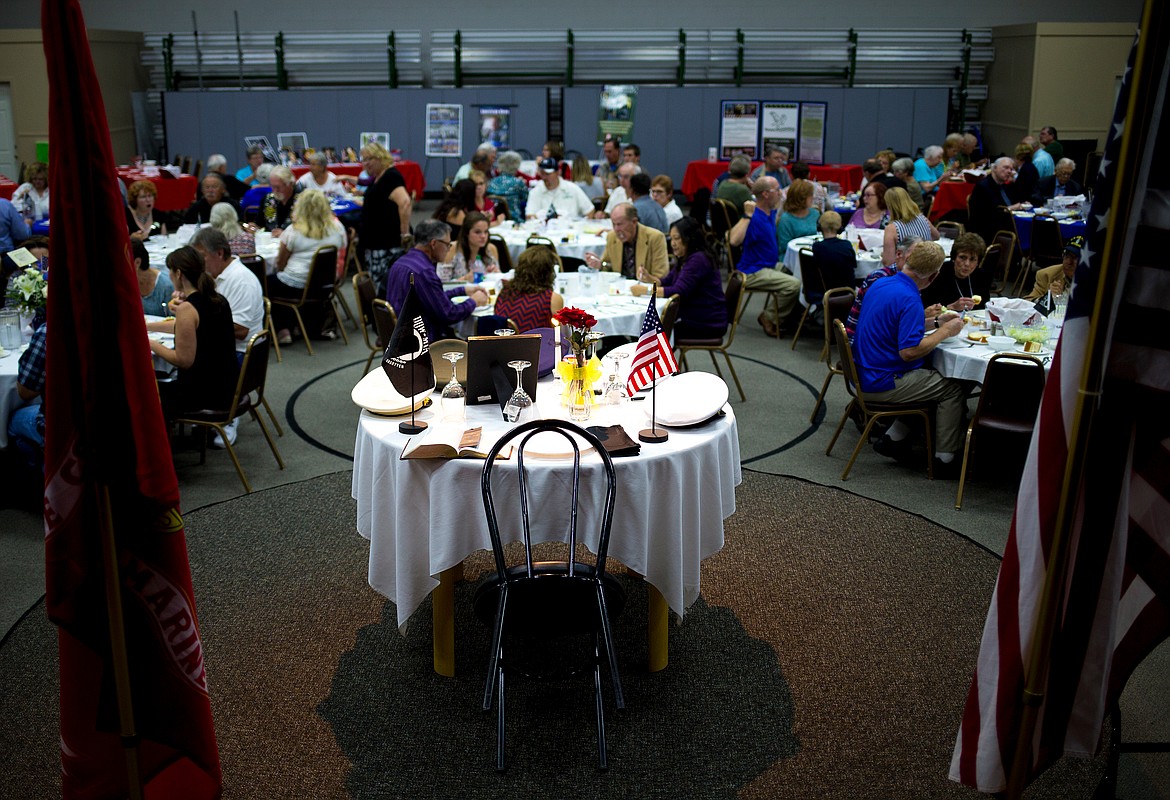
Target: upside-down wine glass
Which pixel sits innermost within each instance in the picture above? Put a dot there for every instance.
(519, 403)
(454, 397)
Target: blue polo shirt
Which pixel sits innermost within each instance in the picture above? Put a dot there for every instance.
(891, 320)
(760, 247)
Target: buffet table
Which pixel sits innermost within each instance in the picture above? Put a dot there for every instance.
(423, 517)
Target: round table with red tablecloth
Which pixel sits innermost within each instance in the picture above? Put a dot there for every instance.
(411, 174)
(174, 193)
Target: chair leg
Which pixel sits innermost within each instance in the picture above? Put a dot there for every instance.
(264, 430)
(275, 421)
(857, 450)
(734, 374)
(336, 316)
(929, 445)
(369, 361)
(235, 460)
(840, 426)
(715, 363)
(963, 471)
(800, 327)
(821, 396)
(686, 366)
(272, 338)
(500, 724)
(304, 332)
(345, 308)
(602, 764)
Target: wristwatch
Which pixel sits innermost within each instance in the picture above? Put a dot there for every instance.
(936, 322)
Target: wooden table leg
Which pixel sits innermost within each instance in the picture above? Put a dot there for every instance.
(443, 620)
(657, 629)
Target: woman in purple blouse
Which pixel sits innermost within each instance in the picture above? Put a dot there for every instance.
(695, 279)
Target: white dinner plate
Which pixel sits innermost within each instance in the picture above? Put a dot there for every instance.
(1043, 351)
(686, 399)
(375, 393)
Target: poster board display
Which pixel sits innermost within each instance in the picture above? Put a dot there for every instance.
(739, 129)
(779, 125)
(262, 142)
(812, 132)
(444, 130)
(615, 115)
(495, 126)
(378, 137)
(295, 142)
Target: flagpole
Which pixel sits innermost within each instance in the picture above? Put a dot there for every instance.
(126, 729)
(1085, 403)
(653, 434)
(412, 427)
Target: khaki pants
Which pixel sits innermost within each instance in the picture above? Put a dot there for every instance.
(922, 385)
(786, 287)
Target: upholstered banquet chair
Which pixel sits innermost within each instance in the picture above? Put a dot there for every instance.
(812, 286)
(534, 606)
(838, 303)
(320, 289)
(872, 411)
(364, 293)
(734, 297)
(256, 265)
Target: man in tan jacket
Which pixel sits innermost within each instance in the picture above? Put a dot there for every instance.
(1059, 277)
(636, 251)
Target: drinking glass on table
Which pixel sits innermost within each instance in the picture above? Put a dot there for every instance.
(519, 403)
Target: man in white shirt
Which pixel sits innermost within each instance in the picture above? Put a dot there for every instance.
(565, 197)
(621, 194)
(482, 159)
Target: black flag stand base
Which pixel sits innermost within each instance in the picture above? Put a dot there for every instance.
(411, 428)
(653, 434)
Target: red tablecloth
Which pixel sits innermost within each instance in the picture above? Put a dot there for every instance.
(411, 173)
(7, 187)
(701, 174)
(174, 194)
(847, 176)
(951, 196)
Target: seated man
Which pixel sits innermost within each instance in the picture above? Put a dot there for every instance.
(26, 428)
(736, 188)
(1059, 277)
(988, 195)
(432, 244)
(775, 166)
(611, 152)
(276, 209)
(555, 197)
(632, 154)
(217, 162)
(649, 212)
(662, 191)
(239, 286)
(633, 249)
(13, 231)
(1047, 137)
(900, 250)
(1058, 184)
(890, 347)
(759, 261)
(212, 190)
(482, 159)
(620, 193)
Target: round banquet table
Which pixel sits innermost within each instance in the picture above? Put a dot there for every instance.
(7, 187)
(423, 517)
(1023, 219)
(572, 238)
(960, 358)
(951, 196)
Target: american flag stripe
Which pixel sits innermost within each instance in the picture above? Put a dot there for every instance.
(1114, 609)
(653, 350)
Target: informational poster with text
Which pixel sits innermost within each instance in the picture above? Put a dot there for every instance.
(779, 125)
(739, 129)
(812, 132)
(444, 130)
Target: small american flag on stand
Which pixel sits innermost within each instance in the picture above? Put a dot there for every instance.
(653, 348)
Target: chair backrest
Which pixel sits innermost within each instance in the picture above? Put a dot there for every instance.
(504, 255)
(322, 273)
(812, 282)
(255, 264)
(1013, 386)
(384, 319)
(838, 303)
(1004, 219)
(365, 293)
(700, 206)
(252, 215)
(541, 241)
(353, 261)
(442, 346)
(848, 365)
(733, 295)
(1047, 245)
(951, 229)
(253, 371)
(571, 263)
(669, 316)
(722, 212)
(490, 323)
(1006, 242)
(571, 435)
(992, 264)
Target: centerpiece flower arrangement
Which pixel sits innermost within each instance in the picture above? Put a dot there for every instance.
(29, 291)
(581, 370)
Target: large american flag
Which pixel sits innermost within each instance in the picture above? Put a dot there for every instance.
(1112, 608)
(653, 356)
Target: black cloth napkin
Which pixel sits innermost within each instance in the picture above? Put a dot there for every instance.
(615, 440)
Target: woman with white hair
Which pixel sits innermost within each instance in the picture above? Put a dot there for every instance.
(225, 220)
(509, 185)
(320, 178)
(930, 171)
(313, 226)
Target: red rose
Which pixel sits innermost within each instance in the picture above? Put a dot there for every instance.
(575, 318)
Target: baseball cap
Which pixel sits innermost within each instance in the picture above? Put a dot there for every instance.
(1075, 245)
(548, 165)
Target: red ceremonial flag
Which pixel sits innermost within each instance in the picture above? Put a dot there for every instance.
(1112, 604)
(105, 437)
(653, 356)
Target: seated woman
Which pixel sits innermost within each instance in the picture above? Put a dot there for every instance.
(583, 176)
(1027, 176)
(528, 299)
(484, 204)
(702, 312)
(32, 197)
(508, 185)
(906, 221)
(154, 285)
(799, 217)
(960, 284)
(456, 204)
(313, 226)
(836, 257)
(474, 254)
(872, 213)
(319, 177)
(224, 219)
(141, 218)
(205, 340)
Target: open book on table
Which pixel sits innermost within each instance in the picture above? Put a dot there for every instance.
(450, 441)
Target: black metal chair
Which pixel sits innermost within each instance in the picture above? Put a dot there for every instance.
(257, 266)
(1013, 387)
(734, 298)
(503, 254)
(547, 601)
(365, 294)
(571, 263)
(838, 303)
(812, 286)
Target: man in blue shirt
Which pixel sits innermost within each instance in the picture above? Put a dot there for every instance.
(890, 346)
(432, 245)
(759, 261)
(775, 166)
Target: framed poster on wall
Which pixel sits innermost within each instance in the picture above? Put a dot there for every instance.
(739, 129)
(376, 137)
(444, 130)
(615, 115)
(812, 132)
(779, 125)
(495, 126)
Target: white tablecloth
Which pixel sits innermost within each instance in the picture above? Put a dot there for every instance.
(955, 359)
(571, 238)
(425, 516)
(9, 399)
(867, 261)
